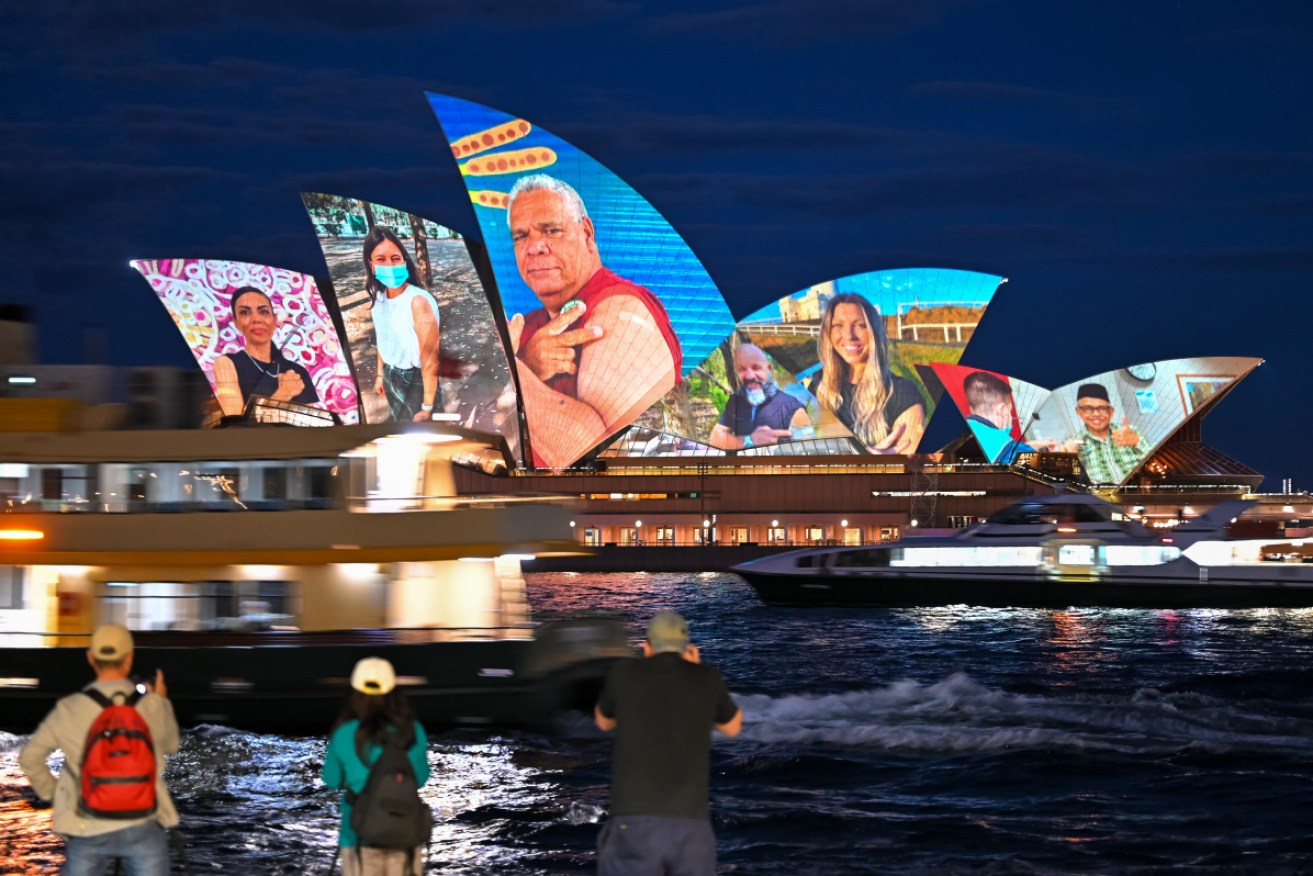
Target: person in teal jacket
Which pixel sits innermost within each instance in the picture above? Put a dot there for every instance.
(373, 709)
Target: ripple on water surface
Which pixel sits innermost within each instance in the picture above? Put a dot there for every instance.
(946, 740)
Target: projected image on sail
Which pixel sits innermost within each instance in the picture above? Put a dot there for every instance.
(607, 306)
(854, 343)
(419, 327)
(1114, 421)
(993, 406)
(256, 330)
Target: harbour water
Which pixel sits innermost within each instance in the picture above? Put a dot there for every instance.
(946, 740)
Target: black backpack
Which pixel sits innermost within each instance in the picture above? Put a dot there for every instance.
(388, 813)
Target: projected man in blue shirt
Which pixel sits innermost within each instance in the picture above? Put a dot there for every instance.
(758, 413)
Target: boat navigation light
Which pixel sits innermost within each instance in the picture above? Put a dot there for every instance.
(1066, 529)
(21, 380)
(21, 534)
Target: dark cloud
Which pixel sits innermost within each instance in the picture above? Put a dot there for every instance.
(350, 16)
(1001, 94)
(836, 19)
(645, 132)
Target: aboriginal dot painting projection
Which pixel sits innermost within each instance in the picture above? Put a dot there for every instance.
(418, 323)
(853, 343)
(256, 330)
(607, 306)
(1112, 422)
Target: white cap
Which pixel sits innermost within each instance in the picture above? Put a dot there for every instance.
(111, 643)
(373, 675)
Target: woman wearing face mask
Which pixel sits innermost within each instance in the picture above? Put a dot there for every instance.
(885, 412)
(407, 329)
(260, 368)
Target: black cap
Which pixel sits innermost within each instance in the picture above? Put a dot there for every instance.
(1092, 390)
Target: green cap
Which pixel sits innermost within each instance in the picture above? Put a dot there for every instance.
(667, 631)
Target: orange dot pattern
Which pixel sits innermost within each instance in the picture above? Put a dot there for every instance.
(482, 141)
(511, 161)
(489, 198)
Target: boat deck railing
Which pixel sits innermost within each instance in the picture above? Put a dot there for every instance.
(366, 504)
(275, 638)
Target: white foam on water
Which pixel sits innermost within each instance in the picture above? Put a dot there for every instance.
(960, 716)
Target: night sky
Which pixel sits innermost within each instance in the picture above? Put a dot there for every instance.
(1142, 172)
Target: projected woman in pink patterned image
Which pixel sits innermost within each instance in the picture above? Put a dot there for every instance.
(407, 328)
(259, 368)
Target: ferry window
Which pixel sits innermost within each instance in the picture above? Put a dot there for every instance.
(738, 534)
(852, 535)
(888, 533)
(52, 483)
(776, 535)
(1076, 555)
(273, 594)
(960, 522)
(593, 536)
(138, 478)
(815, 535)
(628, 535)
(665, 535)
(11, 587)
(318, 479)
(275, 484)
(199, 605)
(861, 558)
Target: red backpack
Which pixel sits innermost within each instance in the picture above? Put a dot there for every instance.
(118, 761)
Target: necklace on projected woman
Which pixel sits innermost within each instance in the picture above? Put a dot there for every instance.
(278, 366)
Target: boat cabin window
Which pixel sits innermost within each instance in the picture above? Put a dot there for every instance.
(12, 579)
(1025, 513)
(200, 605)
(862, 559)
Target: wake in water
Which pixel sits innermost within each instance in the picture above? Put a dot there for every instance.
(960, 716)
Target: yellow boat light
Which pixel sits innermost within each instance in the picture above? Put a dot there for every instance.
(21, 534)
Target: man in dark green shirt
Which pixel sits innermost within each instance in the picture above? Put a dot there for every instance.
(663, 709)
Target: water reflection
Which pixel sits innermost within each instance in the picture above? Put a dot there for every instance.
(257, 800)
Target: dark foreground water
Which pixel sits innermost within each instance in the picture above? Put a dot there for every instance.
(876, 741)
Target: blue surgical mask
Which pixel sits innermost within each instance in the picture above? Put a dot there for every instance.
(392, 276)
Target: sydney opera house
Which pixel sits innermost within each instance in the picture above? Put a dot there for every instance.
(583, 333)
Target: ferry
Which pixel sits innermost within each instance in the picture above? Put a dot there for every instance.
(1058, 551)
(256, 563)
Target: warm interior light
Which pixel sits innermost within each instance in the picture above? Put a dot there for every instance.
(21, 534)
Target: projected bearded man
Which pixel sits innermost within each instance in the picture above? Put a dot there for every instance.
(757, 414)
(1108, 453)
(601, 349)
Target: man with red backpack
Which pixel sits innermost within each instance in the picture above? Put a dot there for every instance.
(109, 799)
